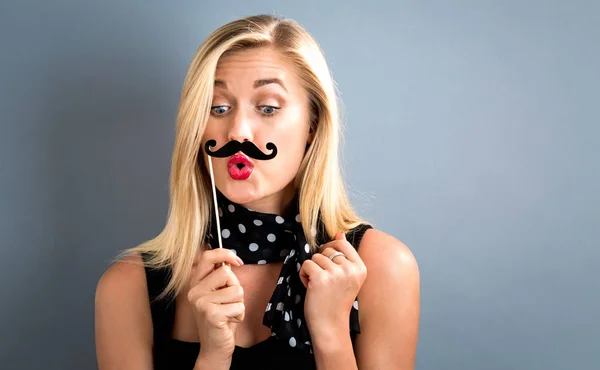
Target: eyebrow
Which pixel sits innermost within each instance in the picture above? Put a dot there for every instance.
(257, 83)
(221, 83)
(268, 81)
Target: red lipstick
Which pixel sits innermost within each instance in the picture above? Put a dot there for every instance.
(239, 167)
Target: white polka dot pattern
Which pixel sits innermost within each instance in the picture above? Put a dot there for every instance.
(262, 238)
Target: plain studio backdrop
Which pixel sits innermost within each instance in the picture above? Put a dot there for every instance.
(472, 135)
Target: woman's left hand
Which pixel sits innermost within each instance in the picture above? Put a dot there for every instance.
(332, 286)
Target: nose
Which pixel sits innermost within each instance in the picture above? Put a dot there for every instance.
(241, 127)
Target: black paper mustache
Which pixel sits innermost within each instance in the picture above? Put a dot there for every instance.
(234, 146)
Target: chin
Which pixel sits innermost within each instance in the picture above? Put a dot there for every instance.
(249, 191)
(239, 191)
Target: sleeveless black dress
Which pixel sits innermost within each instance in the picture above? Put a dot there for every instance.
(173, 354)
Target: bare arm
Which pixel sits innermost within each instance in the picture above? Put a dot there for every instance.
(389, 304)
(123, 319)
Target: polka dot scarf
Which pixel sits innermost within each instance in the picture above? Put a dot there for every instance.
(262, 238)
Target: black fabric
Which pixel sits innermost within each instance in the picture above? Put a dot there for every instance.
(272, 353)
(260, 238)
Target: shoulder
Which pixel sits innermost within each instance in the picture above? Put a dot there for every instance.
(123, 278)
(122, 287)
(392, 281)
(389, 302)
(123, 321)
(387, 257)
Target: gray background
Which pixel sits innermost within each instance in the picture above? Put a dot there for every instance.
(473, 131)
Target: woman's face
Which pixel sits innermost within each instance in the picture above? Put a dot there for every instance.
(258, 98)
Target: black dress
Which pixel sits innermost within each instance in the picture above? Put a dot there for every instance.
(170, 353)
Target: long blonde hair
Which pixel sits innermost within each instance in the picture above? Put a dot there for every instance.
(319, 179)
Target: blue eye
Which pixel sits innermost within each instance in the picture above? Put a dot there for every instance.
(268, 110)
(219, 109)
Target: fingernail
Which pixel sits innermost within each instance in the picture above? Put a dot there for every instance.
(240, 261)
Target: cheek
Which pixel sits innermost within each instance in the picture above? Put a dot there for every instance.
(291, 146)
(213, 131)
(293, 141)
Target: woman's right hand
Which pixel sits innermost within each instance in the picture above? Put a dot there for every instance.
(218, 302)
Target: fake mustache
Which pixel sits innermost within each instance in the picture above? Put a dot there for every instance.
(235, 146)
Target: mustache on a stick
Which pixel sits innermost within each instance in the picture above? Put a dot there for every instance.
(234, 146)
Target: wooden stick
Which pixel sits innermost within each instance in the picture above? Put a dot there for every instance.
(214, 191)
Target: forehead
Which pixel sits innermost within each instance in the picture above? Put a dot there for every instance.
(249, 65)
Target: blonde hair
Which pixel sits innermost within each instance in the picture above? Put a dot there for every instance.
(319, 180)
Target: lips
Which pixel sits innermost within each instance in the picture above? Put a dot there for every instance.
(239, 167)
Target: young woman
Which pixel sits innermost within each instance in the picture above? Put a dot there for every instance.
(259, 114)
